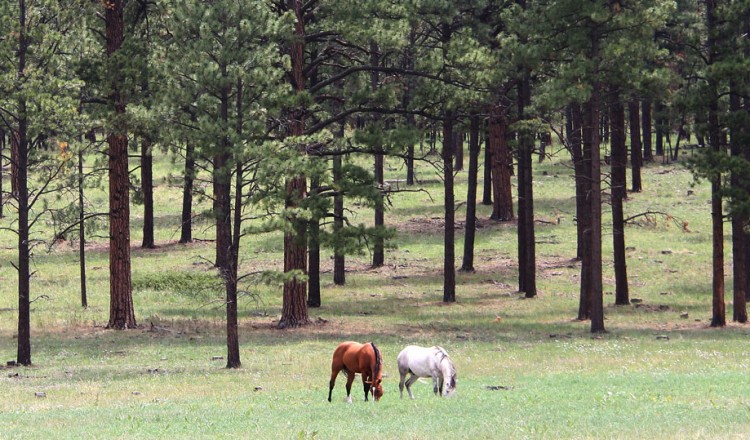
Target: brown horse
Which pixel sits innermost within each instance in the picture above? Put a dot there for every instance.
(353, 357)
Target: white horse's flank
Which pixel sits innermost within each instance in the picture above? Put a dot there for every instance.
(431, 362)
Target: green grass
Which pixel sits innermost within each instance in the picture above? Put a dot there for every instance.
(162, 381)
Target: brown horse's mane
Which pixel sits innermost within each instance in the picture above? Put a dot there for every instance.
(377, 360)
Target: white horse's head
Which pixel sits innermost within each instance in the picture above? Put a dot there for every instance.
(448, 371)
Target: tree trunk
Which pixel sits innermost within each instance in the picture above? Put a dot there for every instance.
(582, 162)
(186, 229)
(221, 183)
(21, 161)
(294, 307)
(147, 182)
(449, 259)
(313, 255)
(717, 214)
(636, 159)
(378, 252)
(648, 154)
(526, 235)
(2, 170)
(14, 159)
(502, 208)
(121, 312)
(339, 261)
(618, 193)
(231, 271)
(487, 182)
(458, 151)
(660, 128)
(595, 225)
(471, 196)
(81, 231)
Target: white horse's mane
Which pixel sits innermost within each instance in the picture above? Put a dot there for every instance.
(443, 356)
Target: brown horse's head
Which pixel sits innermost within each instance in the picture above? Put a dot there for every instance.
(377, 389)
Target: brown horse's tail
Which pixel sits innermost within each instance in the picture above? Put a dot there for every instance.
(378, 361)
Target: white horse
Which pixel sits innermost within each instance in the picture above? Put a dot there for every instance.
(426, 362)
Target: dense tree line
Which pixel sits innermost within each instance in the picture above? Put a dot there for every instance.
(271, 99)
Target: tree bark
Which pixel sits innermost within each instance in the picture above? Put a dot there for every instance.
(21, 193)
(526, 234)
(449, 259)
(636, 159)
(648, 154)
(581, 144)
(487, 182)
(378, 252)
(147, 182)
(121, 311)
(81, 231)
(502, 208)
(339, 261)
(471, 196)
(186, 228)
(458, 151)
(313, 270)
(595, 225)
(294, 307)
(660, 128)
(618, 193)
(231, 271)
(717, 215)
(2, 170)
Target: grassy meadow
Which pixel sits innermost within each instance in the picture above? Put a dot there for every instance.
(526, 367)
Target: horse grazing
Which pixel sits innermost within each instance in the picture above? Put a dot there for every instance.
(353, 357)
(426, 362)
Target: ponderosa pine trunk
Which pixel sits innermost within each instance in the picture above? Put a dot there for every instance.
(502, 208)
(2, 170)
(313, 257)
(378, 251)
(648, 154)
(487, 183)
(186, 225)
(595, 225)
(294, 307)
(526, 234)
(147, 186)
(458, 151)
(449, 258)
(121, 311)
(467, 264)
(660, 128)
(231, 271)
(636, 154)
(717, 214)
(581, 144)
(339, 260)
(81, 232)
(23, 353)
(739, 219)
(618, 193)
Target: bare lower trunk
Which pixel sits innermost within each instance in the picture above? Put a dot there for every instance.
(487, 183)
(81, 231)
(449, 267)
(147, 182)
(618, 194)
(648, 154)
(636, 160)
(502, 209)
(471, 197)
(186, 229)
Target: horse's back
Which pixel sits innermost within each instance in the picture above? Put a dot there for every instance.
(415, 359)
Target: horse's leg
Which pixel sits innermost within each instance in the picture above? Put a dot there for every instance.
(401, 382)
(366, 386)
(413, 378)
(349, 380)
(441, 381)
(435, 384)
(334, 373)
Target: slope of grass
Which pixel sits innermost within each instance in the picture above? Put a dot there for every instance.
(526, 368)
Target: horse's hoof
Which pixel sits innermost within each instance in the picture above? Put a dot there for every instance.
(349, 399)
